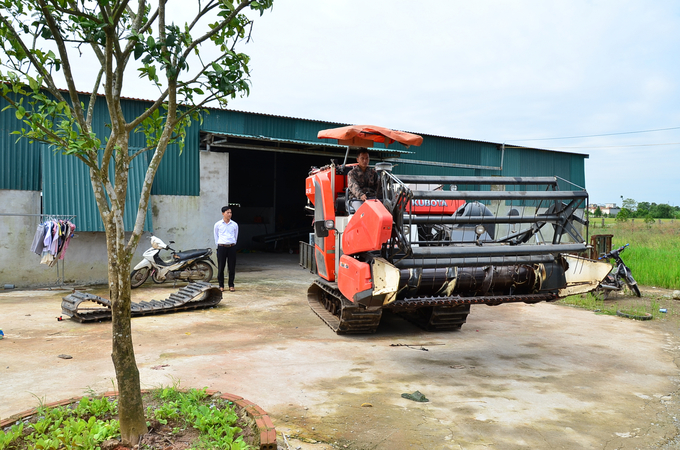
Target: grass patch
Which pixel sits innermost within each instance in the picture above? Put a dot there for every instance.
(590, 302)
(653, 252)
(192, 417)
(626, 304)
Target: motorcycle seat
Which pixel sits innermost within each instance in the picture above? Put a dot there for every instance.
(191, 254)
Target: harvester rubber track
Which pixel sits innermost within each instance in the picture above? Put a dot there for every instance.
(199, 295)
(341, 315)
(492, 300)
(450, 313)
(437, 318)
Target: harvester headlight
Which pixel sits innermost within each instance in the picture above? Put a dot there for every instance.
(329, 224)
(480, 230)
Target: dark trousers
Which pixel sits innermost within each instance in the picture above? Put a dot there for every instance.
(226, 256)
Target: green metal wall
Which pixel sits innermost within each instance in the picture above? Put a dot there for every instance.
(65, 181)
(19, 160)
(67, 190)
(514, 161)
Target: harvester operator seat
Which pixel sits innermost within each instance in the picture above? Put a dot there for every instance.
(341, 204)
(348, 203)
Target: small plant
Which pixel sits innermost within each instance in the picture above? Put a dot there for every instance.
(12, 435)
(91, 421)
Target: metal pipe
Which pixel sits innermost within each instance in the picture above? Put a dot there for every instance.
(429, 263)
(499, 195)
(468, 180)
(496, 250)
(438, 220)
(61, 216)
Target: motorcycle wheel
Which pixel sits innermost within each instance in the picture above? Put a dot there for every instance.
(138, 277)
(633, 287)
(154, 278)
(600, 293)
(631, 283)
(636, 289)
(205, 270)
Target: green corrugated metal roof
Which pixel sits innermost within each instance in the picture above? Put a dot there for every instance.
(19, 161)
(179, 172)
(276, 128)
(67, 191)
(317, 143)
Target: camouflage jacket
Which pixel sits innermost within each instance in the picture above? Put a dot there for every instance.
(364, 182)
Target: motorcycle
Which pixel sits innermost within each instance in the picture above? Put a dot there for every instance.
(190, 265)
(619, 276)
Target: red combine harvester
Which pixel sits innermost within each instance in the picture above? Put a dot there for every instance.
(434, 245)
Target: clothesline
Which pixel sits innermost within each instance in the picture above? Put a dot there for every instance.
(57, 216)
(44, 218)
(51, 239)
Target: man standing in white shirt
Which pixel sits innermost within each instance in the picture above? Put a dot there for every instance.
(226, 235)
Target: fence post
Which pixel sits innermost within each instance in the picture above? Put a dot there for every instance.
(603, 222)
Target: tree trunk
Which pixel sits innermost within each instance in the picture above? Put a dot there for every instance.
(130, 406)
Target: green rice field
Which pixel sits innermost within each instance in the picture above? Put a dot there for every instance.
(654, 252)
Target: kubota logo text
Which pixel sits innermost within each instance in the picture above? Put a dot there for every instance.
(430, 203)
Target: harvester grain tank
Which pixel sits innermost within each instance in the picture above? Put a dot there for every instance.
(429, 248)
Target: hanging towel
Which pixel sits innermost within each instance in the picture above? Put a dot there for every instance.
(38, 238)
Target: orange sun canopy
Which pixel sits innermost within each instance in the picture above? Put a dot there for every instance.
(365, 135)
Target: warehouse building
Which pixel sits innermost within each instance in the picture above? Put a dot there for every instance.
(257, 162)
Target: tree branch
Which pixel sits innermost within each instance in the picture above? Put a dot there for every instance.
(68, 74)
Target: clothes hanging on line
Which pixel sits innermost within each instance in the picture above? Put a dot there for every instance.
(51, 240)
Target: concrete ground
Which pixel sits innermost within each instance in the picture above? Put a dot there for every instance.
(515, 377)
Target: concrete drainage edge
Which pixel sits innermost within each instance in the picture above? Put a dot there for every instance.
(262, 420)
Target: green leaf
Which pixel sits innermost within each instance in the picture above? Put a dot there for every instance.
(139, 50)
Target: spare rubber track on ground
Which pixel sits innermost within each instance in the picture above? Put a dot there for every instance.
(199, 295)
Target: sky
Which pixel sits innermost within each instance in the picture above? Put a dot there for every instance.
(600, 78)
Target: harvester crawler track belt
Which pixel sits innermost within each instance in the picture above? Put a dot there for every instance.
(417, 302)
(450, 313)
(199, 295)
(341, 315)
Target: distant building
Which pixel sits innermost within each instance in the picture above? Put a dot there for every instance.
(609, 209)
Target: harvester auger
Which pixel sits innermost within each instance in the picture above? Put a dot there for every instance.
(434, 245)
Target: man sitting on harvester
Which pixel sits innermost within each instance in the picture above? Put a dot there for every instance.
(363, 182)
